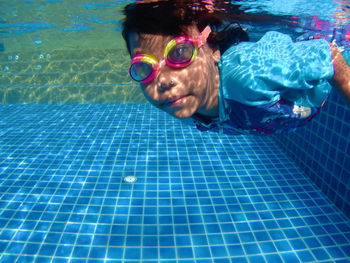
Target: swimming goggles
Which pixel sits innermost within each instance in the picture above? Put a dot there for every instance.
(178, 53)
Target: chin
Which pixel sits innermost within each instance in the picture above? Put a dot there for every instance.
(187, 110)
(182, 114)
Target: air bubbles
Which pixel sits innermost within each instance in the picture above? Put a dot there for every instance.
(13, 57)
(43, 56)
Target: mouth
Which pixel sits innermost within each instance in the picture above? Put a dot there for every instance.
(174, 102)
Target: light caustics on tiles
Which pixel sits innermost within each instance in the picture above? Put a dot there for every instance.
(199, 197)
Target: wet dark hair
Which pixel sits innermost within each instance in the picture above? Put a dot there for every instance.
(171, 17)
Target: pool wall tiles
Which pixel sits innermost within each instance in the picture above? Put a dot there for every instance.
(322, 150)
(67, 76)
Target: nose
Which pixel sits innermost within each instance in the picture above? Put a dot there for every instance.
(163, 86)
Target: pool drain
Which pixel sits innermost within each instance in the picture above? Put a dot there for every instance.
(130, 179)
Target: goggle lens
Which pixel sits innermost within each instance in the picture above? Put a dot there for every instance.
(181, 53)
(140, 71)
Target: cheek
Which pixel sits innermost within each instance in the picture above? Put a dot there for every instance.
(200, 72)
(149, 92)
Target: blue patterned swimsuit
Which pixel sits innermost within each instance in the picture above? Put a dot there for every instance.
(271, 86)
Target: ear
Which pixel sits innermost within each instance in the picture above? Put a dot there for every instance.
(216, 55)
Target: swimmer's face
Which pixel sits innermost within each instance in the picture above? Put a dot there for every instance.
(184, 91)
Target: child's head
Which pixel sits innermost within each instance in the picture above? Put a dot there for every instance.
(180, 77)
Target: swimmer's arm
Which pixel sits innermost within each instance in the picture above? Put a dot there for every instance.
(341, 77)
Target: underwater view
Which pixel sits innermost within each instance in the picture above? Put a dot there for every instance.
(91, 172)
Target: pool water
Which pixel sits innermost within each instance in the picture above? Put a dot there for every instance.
(73, 127)
(199, 197)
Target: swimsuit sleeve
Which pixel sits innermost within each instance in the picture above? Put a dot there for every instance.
(277, 68)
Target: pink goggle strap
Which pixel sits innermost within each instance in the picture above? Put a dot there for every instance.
(202, 39)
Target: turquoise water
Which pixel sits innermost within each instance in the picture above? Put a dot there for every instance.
(198, 197)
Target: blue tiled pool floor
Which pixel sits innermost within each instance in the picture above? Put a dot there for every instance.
(199, 197)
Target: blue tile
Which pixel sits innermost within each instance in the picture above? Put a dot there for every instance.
(134, 230)
(197, 229)
(247, 237)
(7, 235)
(81, 251)
(290, 257)
(26, 259)
(257, 258)
(231, 238)
(66, 239)
(182, 229)
(83, 240)
(22, 236)
(150, 230)
(346, 250)
(304, 232)
(150, 253)
(31, 249)
(218, 251)
(320, 254)
(63, 251)
(251, 249)
(150, 220)
(150, 241)
(183, 240)
(47, 250)
(166, 230)
(202, 252)
(341, 261)
(180, 219)
(339, 239)
(274, 258)
(283, 246)
(221, 260)
(305, 256)
(167, 253)
(117, 240)
(242, 226)
(166, 241)
(312, 242)
(9, 258)
(133, 241)
(297, 244)
(185, 252)
(257, 225)
(213, 228)
(236, 250)
(335, 252)
(15, 247)
(115, 253)
(199, 240)
(239, 260)
(132, 253)
(215, 239)
(267, 247)
(262, 236)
